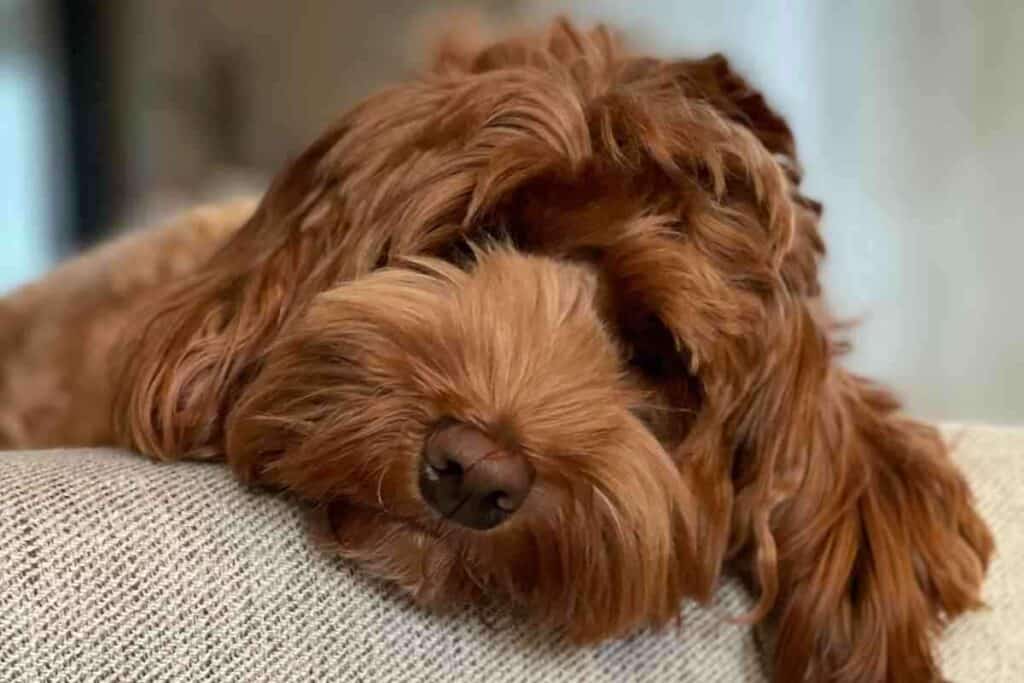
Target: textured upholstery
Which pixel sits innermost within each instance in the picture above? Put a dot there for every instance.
(116, 568)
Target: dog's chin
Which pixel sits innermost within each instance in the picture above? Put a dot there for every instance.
(420, 557)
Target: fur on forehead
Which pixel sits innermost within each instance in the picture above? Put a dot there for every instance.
(674, 176)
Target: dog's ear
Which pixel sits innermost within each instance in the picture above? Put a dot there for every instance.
(195, 342)
(852, 520)
(713, 80)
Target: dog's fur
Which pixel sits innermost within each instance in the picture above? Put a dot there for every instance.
(602, 261)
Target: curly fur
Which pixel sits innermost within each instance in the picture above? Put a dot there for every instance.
(604, 262)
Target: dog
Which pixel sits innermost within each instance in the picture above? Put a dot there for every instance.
(542, 325)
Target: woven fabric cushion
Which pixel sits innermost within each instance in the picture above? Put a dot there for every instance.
(116, 568)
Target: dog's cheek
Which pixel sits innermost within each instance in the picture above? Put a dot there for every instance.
(314, 423)
(422, 565)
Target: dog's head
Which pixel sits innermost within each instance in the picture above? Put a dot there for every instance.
(543, 270)
(511, 304)
(542, 325)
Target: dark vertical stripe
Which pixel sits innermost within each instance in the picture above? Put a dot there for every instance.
(86, 52)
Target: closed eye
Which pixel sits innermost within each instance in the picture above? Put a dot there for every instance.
(652, 348)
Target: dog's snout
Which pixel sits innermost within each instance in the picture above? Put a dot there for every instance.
(470, 479)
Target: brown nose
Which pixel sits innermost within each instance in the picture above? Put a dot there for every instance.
(470, 479)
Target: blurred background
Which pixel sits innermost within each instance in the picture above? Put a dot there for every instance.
(909, 115)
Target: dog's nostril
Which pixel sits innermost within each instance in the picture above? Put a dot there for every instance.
(450, 468)
(470, 479)
(445, 467)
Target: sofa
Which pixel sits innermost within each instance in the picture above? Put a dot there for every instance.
(116, 568)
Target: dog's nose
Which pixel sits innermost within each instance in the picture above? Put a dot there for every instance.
(470, 479)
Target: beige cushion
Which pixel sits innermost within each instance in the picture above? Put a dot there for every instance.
(116, 568)
(989, 645)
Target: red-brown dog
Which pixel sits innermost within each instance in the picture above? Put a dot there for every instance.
(543, 325)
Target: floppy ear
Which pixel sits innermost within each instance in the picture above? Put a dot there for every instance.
(861, 535)
(850, 519)
(197, 341)
(712, 79)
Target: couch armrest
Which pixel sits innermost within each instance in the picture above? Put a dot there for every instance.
(113, 567)
(988, 645)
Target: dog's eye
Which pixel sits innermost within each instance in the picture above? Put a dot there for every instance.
(652, 365)
(652, 348)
